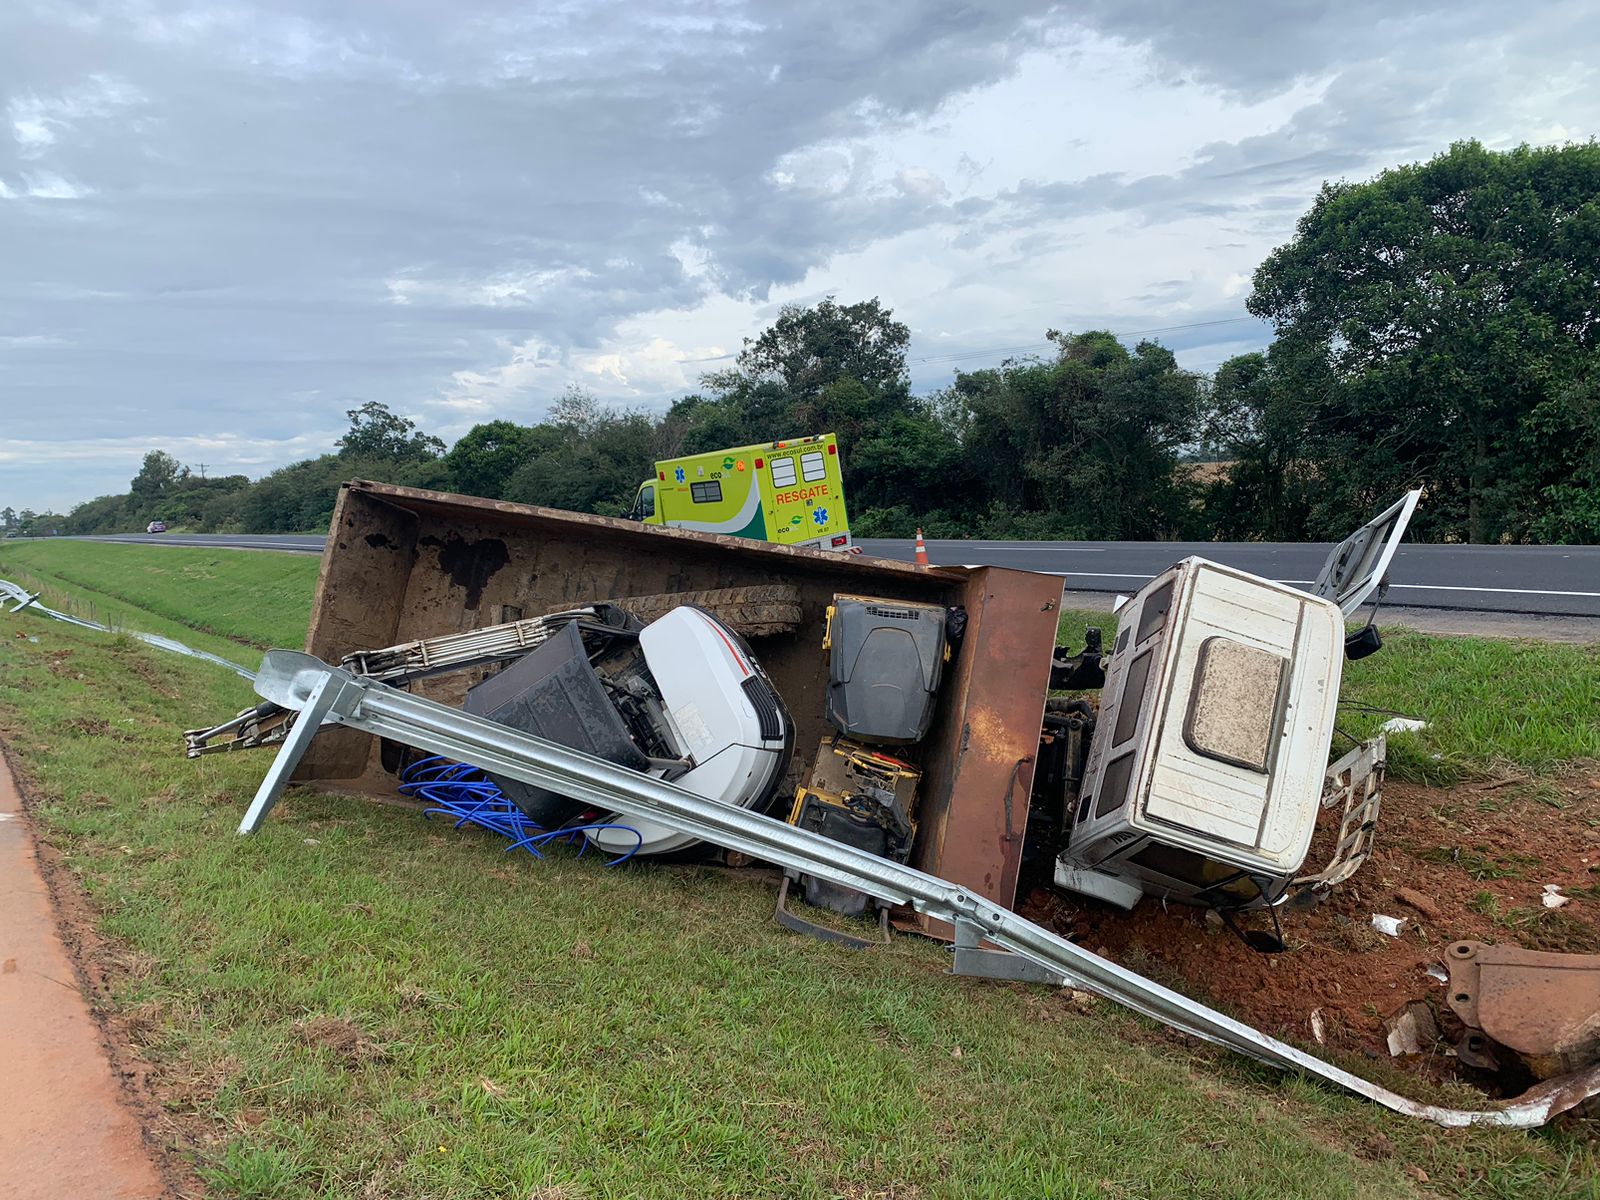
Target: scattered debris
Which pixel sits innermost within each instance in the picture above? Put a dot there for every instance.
(1552, 897)
(1355, 785)
(1411, 1030)
(323, 692)
(1416, 900)
(1391, 926)
(1402, 725)
(1188, 683)
(1437, 973)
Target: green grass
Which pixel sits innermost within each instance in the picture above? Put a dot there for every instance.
(356, 1002)
(254, 598)
(1492, 705)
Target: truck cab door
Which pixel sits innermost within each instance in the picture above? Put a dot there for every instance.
(1358, 564)
(644, 504)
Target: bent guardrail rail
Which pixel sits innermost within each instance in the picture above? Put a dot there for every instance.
(327, 694)
(30, 600)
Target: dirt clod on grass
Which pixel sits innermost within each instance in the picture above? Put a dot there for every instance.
(1459, 863)
(343, 1037)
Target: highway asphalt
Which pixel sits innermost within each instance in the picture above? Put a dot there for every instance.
(1549, 580)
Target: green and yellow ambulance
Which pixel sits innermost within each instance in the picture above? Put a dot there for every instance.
(789, 492)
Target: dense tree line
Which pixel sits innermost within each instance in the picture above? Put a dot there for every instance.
(1436, 325)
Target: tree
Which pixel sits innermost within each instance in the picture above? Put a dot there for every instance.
(1083, 446)
(483, 461)
(8, 516)
(158, 473)
(1257, 422)
(376, 433)
(595, 465)
(1438, 320)
(806, 351)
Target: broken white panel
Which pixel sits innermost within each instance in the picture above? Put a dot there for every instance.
(1357, 564)
(1403, 725)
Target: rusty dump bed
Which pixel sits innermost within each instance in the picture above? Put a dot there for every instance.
(402, 563)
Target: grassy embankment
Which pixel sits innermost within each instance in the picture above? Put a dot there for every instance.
(355, 1003)
(1493, 706)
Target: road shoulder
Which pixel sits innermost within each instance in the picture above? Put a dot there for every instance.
(68, 1130)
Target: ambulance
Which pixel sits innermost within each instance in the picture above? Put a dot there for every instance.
(789, 492)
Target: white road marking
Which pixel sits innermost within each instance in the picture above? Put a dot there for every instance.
(1443, 587)
(1033, 549)
(1412, 587)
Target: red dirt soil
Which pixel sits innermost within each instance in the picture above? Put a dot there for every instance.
(1478, 854)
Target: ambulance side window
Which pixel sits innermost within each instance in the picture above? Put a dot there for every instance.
(708, 492)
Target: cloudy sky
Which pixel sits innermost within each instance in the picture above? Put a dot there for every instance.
(223, 224)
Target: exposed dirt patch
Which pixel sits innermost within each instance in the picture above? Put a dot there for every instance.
(149, 673)
(99, 727)
(1467, 862)
(345, 1039)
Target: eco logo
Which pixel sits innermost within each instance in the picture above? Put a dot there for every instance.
(727, 463)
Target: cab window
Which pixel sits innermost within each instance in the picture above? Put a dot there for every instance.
(645, 507)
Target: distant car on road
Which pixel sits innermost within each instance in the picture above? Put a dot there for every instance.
(156, 527)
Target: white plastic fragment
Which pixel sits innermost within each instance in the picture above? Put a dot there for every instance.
(1388, 925)
(1402, 725)
(1318, 1029)
(1437, 973)
(1411, 1030)
(1553, 898)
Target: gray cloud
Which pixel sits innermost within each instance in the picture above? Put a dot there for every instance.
(242, 219)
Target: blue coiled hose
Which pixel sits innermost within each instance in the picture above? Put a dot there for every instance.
(465, 793)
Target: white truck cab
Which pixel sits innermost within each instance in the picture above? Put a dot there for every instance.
(1206, 770)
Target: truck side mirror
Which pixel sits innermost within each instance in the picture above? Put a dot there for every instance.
(1362, 643)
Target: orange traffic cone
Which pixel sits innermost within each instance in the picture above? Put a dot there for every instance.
(922, 550)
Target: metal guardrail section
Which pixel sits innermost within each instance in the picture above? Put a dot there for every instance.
(29, 600)
(330, 694)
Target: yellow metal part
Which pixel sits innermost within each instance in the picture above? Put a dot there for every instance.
(844, 769)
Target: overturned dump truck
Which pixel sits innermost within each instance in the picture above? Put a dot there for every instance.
(404, 564)
(475, 630)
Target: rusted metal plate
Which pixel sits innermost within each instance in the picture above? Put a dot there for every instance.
(974, 809)
(403, 563)
(1544, 1006)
